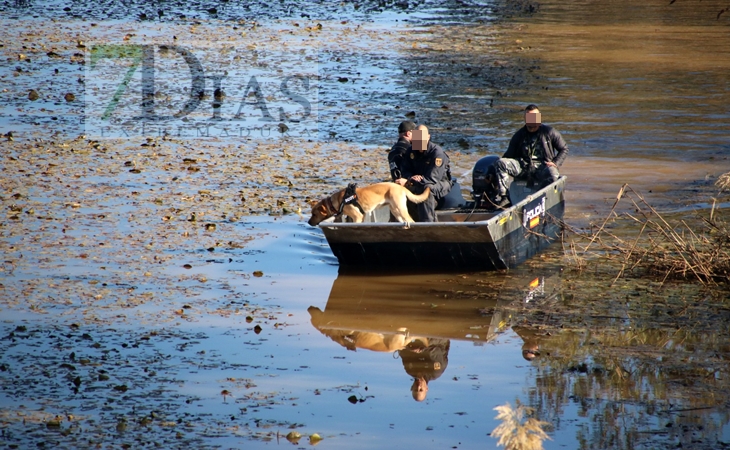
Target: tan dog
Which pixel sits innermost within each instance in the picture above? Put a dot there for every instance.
(369, 198)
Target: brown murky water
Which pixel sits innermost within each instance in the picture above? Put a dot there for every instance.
(162, 294)
(640, 96)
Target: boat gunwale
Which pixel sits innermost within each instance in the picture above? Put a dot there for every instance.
(497, 215)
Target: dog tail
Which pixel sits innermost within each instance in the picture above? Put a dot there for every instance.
(418, 198)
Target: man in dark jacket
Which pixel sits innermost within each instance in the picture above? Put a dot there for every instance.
(426, 164)
(534, 152)
(399, 149)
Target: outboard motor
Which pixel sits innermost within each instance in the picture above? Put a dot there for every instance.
(483, 181)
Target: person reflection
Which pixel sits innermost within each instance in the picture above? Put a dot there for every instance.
(530, 341)
(425, 359)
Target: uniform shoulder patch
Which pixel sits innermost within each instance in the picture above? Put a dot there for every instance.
(412, 156)
(438, 162)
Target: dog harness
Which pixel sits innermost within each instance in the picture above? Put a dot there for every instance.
(350, 198)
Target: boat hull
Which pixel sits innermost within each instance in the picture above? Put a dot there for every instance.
(460, 240)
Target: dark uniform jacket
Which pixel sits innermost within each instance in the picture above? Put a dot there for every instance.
(432, 165)
(554, 147)
(428, 363)
(396, 155)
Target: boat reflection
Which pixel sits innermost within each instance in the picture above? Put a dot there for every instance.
(413, 316)
(384, 313)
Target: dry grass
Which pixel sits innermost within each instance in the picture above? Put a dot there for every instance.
(514, 433)
(668, 248)
(723, 182)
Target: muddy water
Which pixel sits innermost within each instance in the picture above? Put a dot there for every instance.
(644, 91)
(640, 96)
(168, 298)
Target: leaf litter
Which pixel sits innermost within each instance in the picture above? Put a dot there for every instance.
(114, 236)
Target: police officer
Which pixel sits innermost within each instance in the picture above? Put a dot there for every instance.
(399, 149)
(535, 152)
(426, 165)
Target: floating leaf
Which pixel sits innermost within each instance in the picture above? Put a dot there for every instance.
(293, 437)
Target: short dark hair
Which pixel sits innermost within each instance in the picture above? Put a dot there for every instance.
(406, 126)
(531, 107)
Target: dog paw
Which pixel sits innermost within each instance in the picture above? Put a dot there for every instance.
(407, 225)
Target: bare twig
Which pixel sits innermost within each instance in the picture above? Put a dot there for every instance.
(672, 249)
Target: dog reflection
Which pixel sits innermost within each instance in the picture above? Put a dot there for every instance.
(354, 339)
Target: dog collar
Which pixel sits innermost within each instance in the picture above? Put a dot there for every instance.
(331, 210)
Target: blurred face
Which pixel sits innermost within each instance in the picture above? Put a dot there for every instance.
(419, 389)
(530, 351)
(533, 120)
(420, 140)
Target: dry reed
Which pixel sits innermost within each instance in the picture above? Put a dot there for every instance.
(668, 248)
(514, 433)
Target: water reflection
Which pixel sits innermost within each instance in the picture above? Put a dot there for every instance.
(654, 376)
(425, 360)
(645, 376)
(415, 317)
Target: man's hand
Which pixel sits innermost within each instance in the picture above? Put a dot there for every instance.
(550, 164)
(401, 181)
(417, 178)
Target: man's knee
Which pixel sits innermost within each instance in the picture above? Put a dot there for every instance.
(501, 165)
(507, 166)
(554, 174)
(548, 176)
(551, 175)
